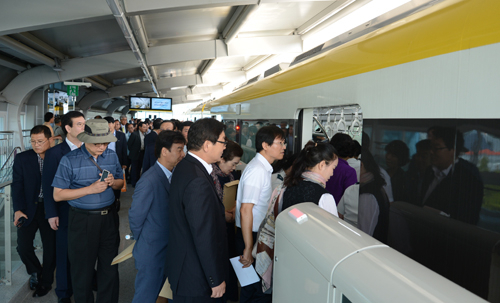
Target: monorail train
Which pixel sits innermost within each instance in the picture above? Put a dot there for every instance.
(396, 78)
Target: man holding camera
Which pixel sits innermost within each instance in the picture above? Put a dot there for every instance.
(86, 178)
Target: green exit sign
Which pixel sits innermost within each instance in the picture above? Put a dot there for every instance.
(72, 90)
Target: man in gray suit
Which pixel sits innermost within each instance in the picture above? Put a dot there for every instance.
(148, 217)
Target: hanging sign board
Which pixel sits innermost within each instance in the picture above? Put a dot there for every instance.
(72, 90)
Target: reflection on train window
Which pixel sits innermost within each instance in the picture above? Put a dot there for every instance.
(245, 131)
(445, 179)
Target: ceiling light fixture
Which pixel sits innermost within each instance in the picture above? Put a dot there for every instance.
(367, 12)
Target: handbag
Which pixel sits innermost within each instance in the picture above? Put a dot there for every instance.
(263, 250)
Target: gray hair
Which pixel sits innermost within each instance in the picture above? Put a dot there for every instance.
(123, 116)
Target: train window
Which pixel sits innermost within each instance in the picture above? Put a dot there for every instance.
(444, 177)
(327, 121)
(247, 129)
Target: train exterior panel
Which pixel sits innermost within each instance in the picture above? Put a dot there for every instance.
(437, 68)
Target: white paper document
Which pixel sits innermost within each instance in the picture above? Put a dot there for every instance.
(246, 276)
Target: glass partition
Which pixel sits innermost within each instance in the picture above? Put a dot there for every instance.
(445, 178)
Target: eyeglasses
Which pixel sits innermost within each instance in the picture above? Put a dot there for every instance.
(282, 143)
(101, 144)
(33, 142)
(223, 142)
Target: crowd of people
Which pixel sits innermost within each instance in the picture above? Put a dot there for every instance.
(71, 193)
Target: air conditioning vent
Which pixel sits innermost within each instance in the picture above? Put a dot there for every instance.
(310, 53)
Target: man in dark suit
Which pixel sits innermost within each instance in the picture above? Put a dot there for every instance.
(28, 201)
(120, 148)
(149, 154)
(197, 251)
(72, 124)
(452, 185)
(149, 143)
(148, 217)
(136, 148)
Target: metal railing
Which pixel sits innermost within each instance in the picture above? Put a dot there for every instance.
(6, 144)
(6, 215)
(26, 139)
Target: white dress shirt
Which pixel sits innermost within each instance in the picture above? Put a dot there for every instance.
(207, 166)
(112, 145)
(255, 187)
(71, 145)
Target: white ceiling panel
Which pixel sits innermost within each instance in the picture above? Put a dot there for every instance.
(177, 69)
(282, 16)
(189, 23)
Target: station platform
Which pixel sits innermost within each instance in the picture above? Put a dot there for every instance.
(19, 291)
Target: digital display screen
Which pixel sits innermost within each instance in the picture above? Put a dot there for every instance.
(161, 104)
(140, 103)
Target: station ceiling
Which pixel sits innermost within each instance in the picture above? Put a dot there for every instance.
(187, 50)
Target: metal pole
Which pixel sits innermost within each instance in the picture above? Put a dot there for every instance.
(8, 246)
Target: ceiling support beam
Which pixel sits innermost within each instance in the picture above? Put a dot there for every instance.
(102, 80)
(95, 83)
(119, 14)
(140, 33)
(12, 64)
(167, 83)
(206, 66)
(27, 51)
(115, 105)
(235, 27)
(128, 89)
(213, 49)
(201, 50)
(39, 45)
(134, 7)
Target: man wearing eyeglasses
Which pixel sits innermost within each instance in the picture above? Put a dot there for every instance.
(93, 221)
(197, 249)
(29, 214)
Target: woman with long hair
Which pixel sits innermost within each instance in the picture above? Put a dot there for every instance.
(307, 179)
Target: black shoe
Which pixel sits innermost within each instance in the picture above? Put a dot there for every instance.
(33, 281)
(41, 291)
(64, 300)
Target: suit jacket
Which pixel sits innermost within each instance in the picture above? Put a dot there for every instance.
(197, 257)
(134, 145)
(121, 147)
(51, 162)
(150, 138)
(148, 217)
(149, 158)
(26, 182)
(459, 194)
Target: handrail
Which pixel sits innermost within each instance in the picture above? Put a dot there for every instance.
(321, 126)
(7, 166)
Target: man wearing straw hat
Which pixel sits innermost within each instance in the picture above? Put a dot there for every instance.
(93, 222)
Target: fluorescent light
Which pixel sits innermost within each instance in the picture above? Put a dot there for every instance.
(362, 15)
